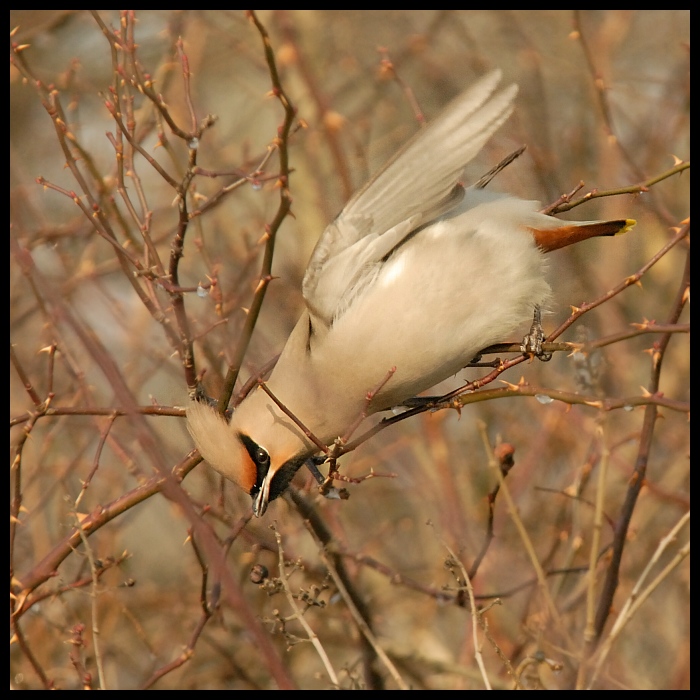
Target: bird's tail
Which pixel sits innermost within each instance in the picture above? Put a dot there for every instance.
(570, 232)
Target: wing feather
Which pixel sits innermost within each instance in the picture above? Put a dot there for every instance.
(419, 184)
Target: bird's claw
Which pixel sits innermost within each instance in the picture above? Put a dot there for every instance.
(532, 342)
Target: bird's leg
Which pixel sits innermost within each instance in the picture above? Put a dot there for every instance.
(325, 483)
(312, 465)
(202, 397)
(476, 361)
(532, 342)
(421, 401)
(531, 345)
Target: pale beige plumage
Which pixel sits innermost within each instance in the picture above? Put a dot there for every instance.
(416, 273)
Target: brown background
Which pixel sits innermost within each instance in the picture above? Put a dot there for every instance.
(357, 113)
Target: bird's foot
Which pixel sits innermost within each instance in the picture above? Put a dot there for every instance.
(532, 342)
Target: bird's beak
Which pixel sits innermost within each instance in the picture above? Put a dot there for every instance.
(262, 498)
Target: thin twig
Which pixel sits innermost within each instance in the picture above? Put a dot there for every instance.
(299, 615)
(639, 595)
(359, 620)
(645, 442)
(522, 531)
(271, 230)
(93, 603)
(477, 620)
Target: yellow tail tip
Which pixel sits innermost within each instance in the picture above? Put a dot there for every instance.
(629, 224)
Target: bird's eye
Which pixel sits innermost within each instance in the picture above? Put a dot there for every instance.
(262, 458)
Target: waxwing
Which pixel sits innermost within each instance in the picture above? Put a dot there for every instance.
(417, 273)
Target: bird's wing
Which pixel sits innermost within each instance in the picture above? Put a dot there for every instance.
(419, 184)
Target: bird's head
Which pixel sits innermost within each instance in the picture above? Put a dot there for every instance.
(260, 450)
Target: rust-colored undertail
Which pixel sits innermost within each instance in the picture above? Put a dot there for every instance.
(568, 234)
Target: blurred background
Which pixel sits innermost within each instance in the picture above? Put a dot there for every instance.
(603, 101)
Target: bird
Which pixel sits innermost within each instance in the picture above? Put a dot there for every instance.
(414, 277)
